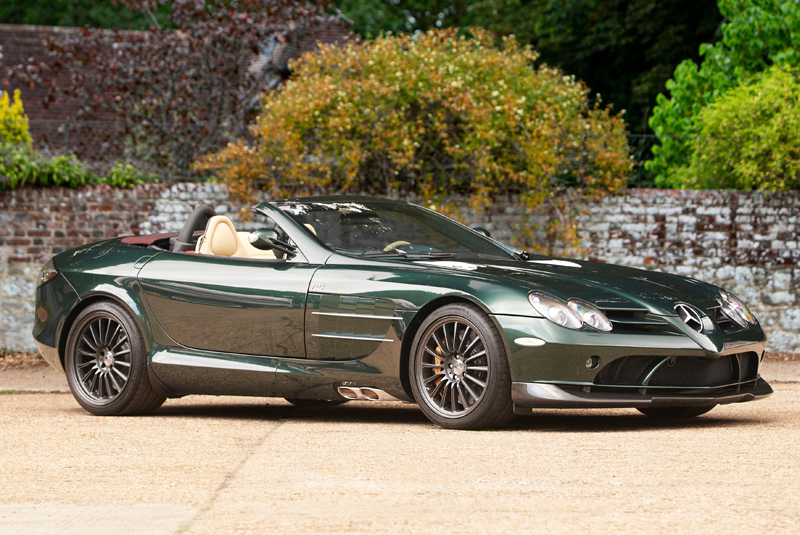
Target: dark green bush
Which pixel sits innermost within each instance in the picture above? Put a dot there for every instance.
(21, 165)
(750, 137)
(756, 35)
(125, 175)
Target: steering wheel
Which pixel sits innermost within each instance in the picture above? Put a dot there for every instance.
(394, 245)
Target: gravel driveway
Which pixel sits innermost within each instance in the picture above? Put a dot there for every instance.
(231, 465)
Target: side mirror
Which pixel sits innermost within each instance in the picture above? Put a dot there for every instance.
(481, 230)
(268, 239)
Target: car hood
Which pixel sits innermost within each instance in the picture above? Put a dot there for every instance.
(608, 286)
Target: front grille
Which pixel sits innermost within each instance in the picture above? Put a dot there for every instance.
(626, 371)
(679, 371)
(695, 372)
(725, 324)
(636, 320)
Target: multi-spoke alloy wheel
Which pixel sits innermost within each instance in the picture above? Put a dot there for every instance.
(106, 362)
(459, 371)
(104, 358)
(454, 367)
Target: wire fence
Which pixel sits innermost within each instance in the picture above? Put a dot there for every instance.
(166, 150)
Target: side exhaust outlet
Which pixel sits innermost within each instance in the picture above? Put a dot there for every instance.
(348, 392)
(364, 393)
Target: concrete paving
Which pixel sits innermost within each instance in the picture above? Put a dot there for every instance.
(248, 465)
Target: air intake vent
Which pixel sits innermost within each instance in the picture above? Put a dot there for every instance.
(636, 320)
(725, 324)
(641, 371)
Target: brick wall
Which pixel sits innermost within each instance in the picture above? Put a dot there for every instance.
(747, 242)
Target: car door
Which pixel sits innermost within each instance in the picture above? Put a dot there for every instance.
(229, 305)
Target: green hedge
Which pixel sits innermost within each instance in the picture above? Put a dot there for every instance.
(22, 165)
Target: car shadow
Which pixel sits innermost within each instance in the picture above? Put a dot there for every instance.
(232, 411)
(588, 421)
(564, 421)
(276, 410)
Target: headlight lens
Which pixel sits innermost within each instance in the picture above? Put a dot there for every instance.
(47, 272)
(735, 309)
(556, 311)
(590, 315)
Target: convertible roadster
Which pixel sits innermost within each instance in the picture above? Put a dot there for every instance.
(355, 298)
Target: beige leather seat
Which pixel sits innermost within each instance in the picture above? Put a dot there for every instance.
(252, 251)
(221, 239)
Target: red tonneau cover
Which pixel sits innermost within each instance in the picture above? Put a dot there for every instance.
(150, 239)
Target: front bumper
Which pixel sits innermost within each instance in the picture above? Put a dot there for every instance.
(563, 355)
(527, 396)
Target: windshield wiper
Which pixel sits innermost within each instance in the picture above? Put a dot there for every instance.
(435, 254)
(403, 254)
(387, 254)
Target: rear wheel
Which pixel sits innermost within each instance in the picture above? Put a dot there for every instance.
(106, 363)
(676, 412)
(459, 370)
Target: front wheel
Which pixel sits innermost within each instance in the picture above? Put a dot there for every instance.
(459, 370)
(676, 412)
(106, 363)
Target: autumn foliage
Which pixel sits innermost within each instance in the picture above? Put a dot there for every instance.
(13, 121)
(430, 114)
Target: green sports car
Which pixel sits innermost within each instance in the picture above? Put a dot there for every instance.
(356, 298)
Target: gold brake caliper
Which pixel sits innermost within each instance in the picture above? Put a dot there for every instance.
(438, 361)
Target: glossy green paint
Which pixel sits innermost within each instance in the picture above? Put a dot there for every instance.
(54, 300)
(562, 359)
(347, 327)
(229, 305)
(106, 270)
(187, 371)
(216, 325)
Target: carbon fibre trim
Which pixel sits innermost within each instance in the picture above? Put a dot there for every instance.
(549, 395)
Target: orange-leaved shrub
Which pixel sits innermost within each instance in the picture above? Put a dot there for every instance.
(429, 114)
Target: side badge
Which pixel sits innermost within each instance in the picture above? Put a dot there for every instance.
(316, 287)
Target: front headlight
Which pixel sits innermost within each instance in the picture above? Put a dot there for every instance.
(555, 310)
(735, 309)
(590, 315)
(47, 272)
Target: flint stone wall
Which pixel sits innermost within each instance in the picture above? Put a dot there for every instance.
(746, 242)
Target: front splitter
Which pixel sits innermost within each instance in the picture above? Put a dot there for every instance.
(527, 396)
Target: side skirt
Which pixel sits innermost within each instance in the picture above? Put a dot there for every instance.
(184, 371)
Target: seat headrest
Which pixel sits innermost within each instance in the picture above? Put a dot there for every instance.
(221, 238)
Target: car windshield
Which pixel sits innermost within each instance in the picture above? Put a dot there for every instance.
(378, 228)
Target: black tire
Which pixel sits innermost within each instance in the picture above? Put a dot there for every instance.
(315, 403)
(676, 412)
(106, 363)
(478, 380)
